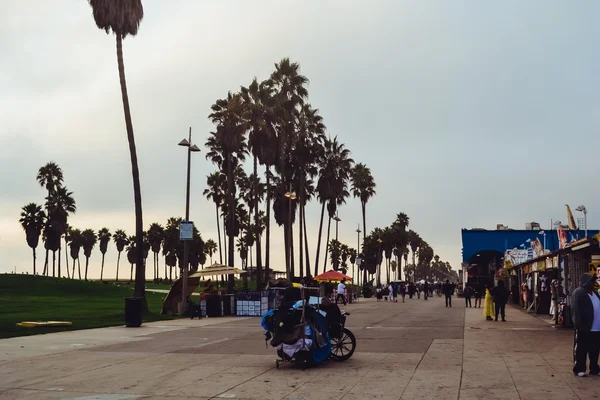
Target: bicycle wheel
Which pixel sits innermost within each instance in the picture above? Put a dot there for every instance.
(343, 347)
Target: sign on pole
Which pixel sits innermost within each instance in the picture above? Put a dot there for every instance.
(186, 230)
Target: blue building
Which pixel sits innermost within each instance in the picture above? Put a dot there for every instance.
(483, 250)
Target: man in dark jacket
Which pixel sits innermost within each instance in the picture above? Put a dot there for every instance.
(448, 290)
(585, 307)
(468, 293)
(500, 295)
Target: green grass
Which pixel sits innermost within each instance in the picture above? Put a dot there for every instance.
(239, 285)
(85, 304)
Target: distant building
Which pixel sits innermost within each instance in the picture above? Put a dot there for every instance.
(483, 250)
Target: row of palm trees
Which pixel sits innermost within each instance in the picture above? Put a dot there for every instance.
(272, 123)
(384, 249)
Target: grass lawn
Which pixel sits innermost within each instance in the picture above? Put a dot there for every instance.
(239, 285)
(85, 304)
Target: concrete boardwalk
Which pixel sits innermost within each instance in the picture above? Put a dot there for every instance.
(414, 350)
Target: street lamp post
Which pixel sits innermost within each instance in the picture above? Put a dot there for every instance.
(358, 247)
(379, 260)
(184, 283)
(337, 220)
(584, 211)
(288, 263)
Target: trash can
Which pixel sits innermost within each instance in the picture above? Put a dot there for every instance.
(213, 306)
(134, 309)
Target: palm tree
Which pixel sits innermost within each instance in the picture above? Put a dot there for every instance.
(123, 18)
(344, 253)
(32, 220)
(335, 167)
(363, 187)
(216, 185)
(415, 242)
(227, 149)
(49, 176)
(210, 247)
(259, 103)
(75, 243)
(104, 238)
(131, 254)
(59, 204)
(121, 240)
(89, 241)
(353, 254)
(156, 236)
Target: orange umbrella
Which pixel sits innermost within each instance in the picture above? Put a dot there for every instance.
(332, 276)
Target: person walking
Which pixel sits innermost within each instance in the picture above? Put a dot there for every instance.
(478, 293)
(448, 290)
(426, 290)
(500, 295)
(468, 293)
(585, 306)
(341, 291)
(402, 291)
(395, 292)
(488, 304)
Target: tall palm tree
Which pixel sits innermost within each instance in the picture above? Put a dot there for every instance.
(75, 243)
(363, 187)
(260, 108)
(228, 148)
(216, 185)
(156, 236)
(335, 167)
(103, 238)
(89, 241)
(59, 204)
(415, 242)
(132, 254)
(123, 18)
(210, 247)
(32, 220)
(121, 240)
(49, 176)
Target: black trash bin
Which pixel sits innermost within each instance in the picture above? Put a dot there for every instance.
(213, 306)
(134, 309)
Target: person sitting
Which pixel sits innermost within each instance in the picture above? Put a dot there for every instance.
(334, 316)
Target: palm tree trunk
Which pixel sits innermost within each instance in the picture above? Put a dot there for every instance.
(67, 255)
(79, 268)
(33, 248)
(301, 237)
(268, 227)
(308, 274)
(319, 240)
(140, 279)
(59, 253)
(219, 235)
(46, 263)
(257, 239)
(102, 268)
(118, 260)
(364, 207)
(292, 269)
(166, 272)
(131, 274)
(53, 264)
(87, 262)
(73, 273)
(327, 245)
(231, 212)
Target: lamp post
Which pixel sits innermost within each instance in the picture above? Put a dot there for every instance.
(337, 220)
(190, 148)
(291, 196)
(584, 211)
(379, 260)
(358, 246)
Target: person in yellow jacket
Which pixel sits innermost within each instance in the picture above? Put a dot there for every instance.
(488, 304)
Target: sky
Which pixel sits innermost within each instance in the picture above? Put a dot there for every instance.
(468, 113)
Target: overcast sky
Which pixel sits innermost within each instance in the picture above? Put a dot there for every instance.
(468, 113)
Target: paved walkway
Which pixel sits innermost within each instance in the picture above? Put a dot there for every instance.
(416, 350)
